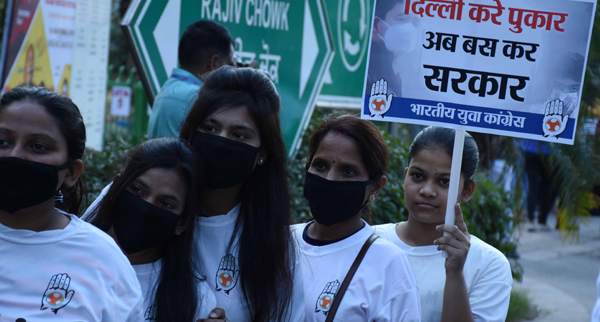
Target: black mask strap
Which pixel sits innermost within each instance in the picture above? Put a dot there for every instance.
(66, 165)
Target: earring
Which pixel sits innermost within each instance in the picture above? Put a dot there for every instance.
(372, 198)
(260, 161)
(59, 197)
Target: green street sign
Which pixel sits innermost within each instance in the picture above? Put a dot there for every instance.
(351, 25)
(291, 40)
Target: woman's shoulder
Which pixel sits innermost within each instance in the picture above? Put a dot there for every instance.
(485, 251)
(488, 260)
(386, 231)
(388, 267)
(296, 230)
(383, 229)
(88, 230)
(384, 253)
(91, 240)
(297, 227)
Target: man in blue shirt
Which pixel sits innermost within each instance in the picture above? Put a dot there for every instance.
(204, 47)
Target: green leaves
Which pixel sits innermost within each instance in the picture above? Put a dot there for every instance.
(100, 167)
(2, 17)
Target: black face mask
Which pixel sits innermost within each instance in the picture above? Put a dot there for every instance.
(25, 183)
(140, 225)
(227, 162)
(332, 202)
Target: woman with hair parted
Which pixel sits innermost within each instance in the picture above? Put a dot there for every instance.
(348, 272)
(150, 211)
(244, 238)
(55, 267)
(245, 247)
(474, 282)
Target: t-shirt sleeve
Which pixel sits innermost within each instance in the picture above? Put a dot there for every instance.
(129, 302)
(490, 294)
(119, 283)
(400, 301)
(404, 307)
(135, 313)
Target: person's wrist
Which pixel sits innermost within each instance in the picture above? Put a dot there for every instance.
(455, 274)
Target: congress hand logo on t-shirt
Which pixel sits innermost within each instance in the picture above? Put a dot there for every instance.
(150, 314)
(227, 275)
(326, 297)
(57, 294)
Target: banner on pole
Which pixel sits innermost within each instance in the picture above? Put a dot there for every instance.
(61, 45)
(506, 67)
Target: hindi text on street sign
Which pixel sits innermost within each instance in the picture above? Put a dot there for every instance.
(290, 40)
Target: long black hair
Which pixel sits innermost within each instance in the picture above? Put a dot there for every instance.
(266, 252)
(66, 114)
(176, 291)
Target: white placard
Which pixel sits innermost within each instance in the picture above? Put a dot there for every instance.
(506, 67)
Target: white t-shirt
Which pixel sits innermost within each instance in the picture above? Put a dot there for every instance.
(73, 274)
(383, 289)
(148, 275)
(487, 275)
(222, 270)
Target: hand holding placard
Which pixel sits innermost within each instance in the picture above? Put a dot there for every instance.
(455, 242)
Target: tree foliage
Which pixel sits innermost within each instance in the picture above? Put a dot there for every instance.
(3, 7)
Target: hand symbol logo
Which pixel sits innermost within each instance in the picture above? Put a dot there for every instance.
(227, 275)
(554, 122)
(326, 297)
(150, 314)
(380, 101)
(57, 294)
(225, 279)
(55, 299)
(325, 302)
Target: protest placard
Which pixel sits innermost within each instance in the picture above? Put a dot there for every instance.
(507, 67)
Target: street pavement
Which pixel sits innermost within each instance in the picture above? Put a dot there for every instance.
(559, 276)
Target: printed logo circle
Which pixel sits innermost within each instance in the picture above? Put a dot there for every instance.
(225, 279)
(553, 124)
(55, 299)
(378, 104)
(325, 302)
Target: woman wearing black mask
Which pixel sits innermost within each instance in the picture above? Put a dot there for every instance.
(345, 172)
(245, 246)
(55, 267)
(244, 237)
(150, 210)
